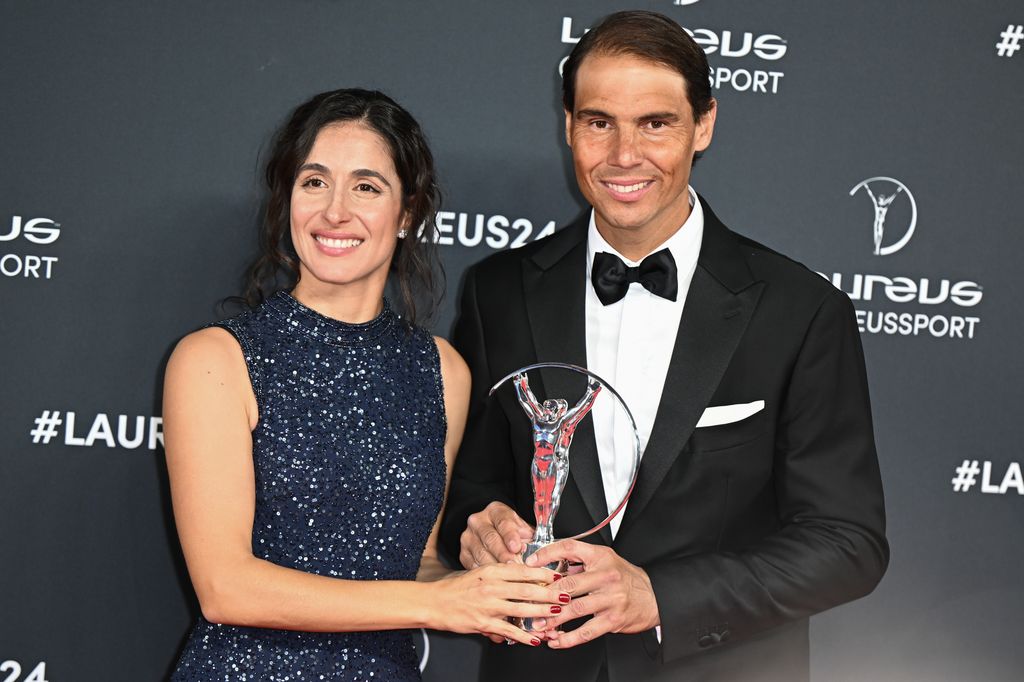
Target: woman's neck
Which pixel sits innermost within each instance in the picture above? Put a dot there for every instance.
(354, 304)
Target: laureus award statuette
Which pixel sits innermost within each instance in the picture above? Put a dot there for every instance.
(554, 423)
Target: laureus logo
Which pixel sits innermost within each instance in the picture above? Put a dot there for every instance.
(680, 3)
(883, 192)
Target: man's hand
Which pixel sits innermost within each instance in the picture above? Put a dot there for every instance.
(615, 592)
(494, 535)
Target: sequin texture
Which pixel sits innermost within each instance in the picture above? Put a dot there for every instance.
(349, 463)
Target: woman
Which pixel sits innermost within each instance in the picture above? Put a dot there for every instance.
(309, 440)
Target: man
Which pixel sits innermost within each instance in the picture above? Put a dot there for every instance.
(758, 501)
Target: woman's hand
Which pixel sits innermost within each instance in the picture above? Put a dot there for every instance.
(480, 600)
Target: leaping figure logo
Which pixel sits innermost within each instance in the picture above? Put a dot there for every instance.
(881, 202)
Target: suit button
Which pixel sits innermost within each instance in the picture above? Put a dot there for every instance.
(705, 641)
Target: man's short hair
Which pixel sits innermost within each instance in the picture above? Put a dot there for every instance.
(649, 36)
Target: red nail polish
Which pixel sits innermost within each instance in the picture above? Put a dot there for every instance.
(556, 609)
(535, 642)
(558, 576)
(564, 598)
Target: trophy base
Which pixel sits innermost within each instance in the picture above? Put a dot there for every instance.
(560, 567)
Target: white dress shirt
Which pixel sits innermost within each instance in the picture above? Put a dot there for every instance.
(629, 344)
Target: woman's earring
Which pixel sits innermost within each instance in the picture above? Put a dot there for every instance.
(402, 234)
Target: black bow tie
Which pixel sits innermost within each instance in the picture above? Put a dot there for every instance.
(656, 273)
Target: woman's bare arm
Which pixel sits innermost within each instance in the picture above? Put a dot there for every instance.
(209, 413)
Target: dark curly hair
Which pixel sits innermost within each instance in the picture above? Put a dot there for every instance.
(415, 264)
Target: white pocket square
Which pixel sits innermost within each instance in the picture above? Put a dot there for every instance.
(727, 414)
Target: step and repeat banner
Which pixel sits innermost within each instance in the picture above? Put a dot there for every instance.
(877, 142)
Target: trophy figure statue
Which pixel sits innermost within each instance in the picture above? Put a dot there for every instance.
(553, 426)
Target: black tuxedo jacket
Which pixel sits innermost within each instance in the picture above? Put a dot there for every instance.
(745, 529)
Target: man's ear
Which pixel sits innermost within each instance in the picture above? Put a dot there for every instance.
(568, 128)
(705, 128)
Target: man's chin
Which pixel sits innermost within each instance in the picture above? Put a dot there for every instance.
(624, 221)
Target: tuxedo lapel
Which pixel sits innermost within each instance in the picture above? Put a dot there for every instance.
(554, 282)
(719, 304)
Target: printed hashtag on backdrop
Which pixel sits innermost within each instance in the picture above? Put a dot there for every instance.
(966, 475)
(1011, 39)
(46, 427)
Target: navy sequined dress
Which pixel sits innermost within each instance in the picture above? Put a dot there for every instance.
(350, 474)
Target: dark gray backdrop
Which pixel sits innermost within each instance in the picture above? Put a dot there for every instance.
(138, 129)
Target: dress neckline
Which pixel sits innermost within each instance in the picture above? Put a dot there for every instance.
(304, 319)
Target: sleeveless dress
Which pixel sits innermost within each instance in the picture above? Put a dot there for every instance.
(350, 475)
